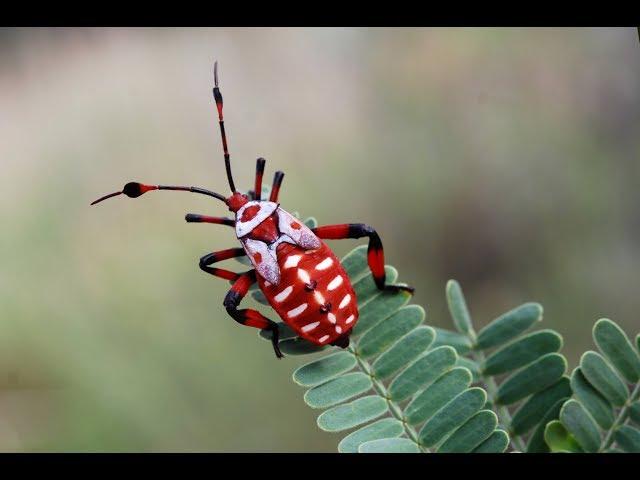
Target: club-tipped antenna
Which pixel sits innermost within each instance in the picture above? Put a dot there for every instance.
(135, 189)
(217, 96)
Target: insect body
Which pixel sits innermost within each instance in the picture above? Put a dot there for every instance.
(298, 273)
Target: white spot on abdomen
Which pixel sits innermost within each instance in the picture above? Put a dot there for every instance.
(326, 263)
(324, 339)
(282, 296)
(310, 326)
(350, 319)
(304, 276)
(292, 261)
(319, 298)
(345, 301)
(335, 283)
(297, 311)
(332, 318)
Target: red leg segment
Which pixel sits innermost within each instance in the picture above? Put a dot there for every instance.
(275, 188)
(211, 258)
(375, 252)
(249, 317)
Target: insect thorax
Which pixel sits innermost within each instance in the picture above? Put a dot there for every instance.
(261, 227)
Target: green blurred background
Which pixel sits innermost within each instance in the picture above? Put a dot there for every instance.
(504, 158)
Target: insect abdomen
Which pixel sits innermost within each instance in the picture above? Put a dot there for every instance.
(314, 295)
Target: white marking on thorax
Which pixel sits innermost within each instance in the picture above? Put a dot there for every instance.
(326, 263)
(266, 209)
(282, 296)
(297, 311)
(345, 301)
(310, 326)
(335, 283)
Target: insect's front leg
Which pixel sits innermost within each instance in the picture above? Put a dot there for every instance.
(211, 258)
(197, 218)
(249, 317)
(375, 252)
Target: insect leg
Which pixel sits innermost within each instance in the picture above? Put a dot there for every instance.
(249, 317)
(275, 188)
(197, 218)
(211, 258)
(375, 253)
(257, 190)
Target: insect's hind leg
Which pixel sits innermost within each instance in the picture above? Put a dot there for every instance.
(250, 317)
(210, 258)
(375, 252)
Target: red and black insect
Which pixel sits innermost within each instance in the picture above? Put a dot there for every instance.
(297, 272)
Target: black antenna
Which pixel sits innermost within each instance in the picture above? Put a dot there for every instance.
(217, 96)
(135, 189)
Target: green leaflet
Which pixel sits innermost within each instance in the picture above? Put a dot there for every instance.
(460, 342)
(540, 374)
(404, 351)
(476, 430)
(452, 415)
(366, 289)
(299, 346)
(389, 445)
(437, 395)
(537, 443)
(534, 410)
(383, 335)
(599, 408)
(509, 325)
(603, 378)
(378, 309)
(470, 365)
(338, 390)
(497, 442)
(616, 347)
(326, 368)
(581, 425)
(458, 307)
(385, 428)
(422, 372)
(628, 438)
(559, 439)
(352, 414)
(522, 351)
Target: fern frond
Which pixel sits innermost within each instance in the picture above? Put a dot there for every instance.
(522, 372)
(603, 414)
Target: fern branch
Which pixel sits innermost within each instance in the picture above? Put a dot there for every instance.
(394, 408)
(490, 385)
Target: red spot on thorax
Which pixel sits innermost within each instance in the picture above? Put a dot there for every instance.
(295, 225)
(267, 231)
(257, 257)
(249, 213)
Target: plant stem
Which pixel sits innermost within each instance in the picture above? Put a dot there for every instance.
(621, 418)
(491, 387)
(394, 408)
